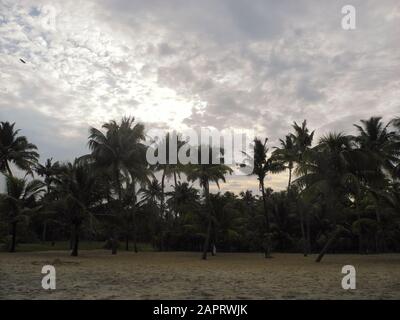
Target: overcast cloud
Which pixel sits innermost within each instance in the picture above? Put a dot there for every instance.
(183, 63)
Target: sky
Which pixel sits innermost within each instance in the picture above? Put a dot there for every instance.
(228, 64)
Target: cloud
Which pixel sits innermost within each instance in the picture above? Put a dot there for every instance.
(185, 63)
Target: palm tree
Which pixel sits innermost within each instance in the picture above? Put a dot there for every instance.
(302, 138)
(150, 204)
(262, 165)
(120, 152)
(396, 123)
(129, 213)
(171, 168)
(15, 149)
(48, 172)
(182, 198)
(327, 178)
(78, 191)
(382, 148)
(380, 144)
(204, 174)
(19, 202)
(287, 154)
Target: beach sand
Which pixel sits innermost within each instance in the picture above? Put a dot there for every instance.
(96, 274)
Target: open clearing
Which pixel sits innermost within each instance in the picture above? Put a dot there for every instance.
(96, 274)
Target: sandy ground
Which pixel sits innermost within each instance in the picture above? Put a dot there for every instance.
(171, 275)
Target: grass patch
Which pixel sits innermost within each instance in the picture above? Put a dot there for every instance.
(83, 245)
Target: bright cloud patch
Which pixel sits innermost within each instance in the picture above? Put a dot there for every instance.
(176, 64)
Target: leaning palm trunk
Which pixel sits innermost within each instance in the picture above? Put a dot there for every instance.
(8, 169)
(330, 241)
(267, 244)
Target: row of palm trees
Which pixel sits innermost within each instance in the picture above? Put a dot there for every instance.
(342, 193)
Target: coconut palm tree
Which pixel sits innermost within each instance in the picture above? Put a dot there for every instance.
(303, 138)
(129, 214)
(48, 172)
(327, 178)
(120, 150)
(170, 168)
(15, 149)
(19, 202)
(287, 153)
(262, 166)
(380, 144)
(382, 147)
(206, 174)
(152, 193)
(78, 194)
(182, 198)
(121, 154)
(396, 123)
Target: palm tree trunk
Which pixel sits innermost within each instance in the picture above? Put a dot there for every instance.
(213, 248)
(163, 214)
(74, 252)
(114, 240)
(135, 249)
(290, 178)
(378, 236)
(127, 242)
(332, 238)
(71, 240)
(13, 237)
(303, 233)
(207, 240)
(134, 233)
(308, 233)
(208, 234)
(175, 180)
(360, 234)
(8, 168)
(44, 231)
(114, 245)
(267, 244)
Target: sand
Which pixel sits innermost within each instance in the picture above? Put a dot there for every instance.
(96, 274)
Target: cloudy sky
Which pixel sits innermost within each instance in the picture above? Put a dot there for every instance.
(256, 65)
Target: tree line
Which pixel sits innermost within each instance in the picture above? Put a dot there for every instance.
(342, 195)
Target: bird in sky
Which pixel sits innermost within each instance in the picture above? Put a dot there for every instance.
(22, 60)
